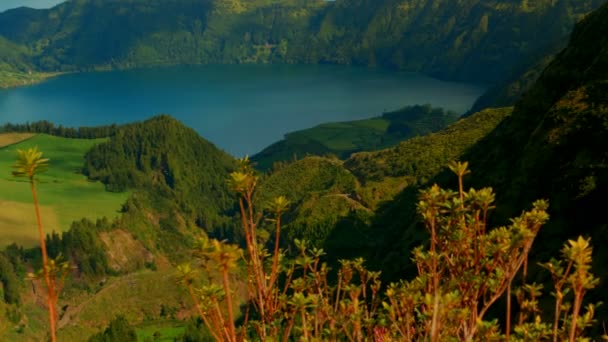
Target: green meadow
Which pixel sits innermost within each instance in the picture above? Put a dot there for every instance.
(65, 194)
(346, 136)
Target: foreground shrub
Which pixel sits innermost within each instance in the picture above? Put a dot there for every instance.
(466, 267)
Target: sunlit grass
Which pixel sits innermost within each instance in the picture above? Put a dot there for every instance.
(66, 195)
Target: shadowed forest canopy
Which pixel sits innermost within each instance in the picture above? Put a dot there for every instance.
(553, 146)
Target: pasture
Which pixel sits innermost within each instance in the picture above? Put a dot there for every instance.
(65, 194)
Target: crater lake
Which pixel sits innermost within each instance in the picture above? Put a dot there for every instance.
(240, 108)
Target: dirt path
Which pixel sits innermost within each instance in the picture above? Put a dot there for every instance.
(7, 139)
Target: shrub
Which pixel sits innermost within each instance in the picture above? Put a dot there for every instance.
(466, 267)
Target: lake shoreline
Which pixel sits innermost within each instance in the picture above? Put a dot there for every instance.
(45, 76)
(242, 108)
(27, 79)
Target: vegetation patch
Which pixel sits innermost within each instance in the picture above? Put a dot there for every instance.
(66, 195)
(421, 157)
(172, 170)
(142, 298)
(162, 332)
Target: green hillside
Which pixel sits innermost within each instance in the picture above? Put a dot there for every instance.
(421, 157)
(344, 138)
(334, 201)
(173, 170)
(163, 207)
(475, 40)
(321, 192)
(12, 78)
(66, 195)
(552, 146)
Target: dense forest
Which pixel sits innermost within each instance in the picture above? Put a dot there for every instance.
(480, 40)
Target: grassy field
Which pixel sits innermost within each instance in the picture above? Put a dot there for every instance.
(338, 138)
(65, 194)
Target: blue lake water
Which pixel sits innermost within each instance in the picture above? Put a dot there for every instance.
(240, 108)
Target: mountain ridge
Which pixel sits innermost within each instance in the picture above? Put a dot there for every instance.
(477, 40)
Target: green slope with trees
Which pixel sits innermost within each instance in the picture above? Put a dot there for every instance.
(334, 201)
(321, 192)
(552, 146)
(474, 40)
(172, 167)
(168, 205)
(341, 139)
(421, 157)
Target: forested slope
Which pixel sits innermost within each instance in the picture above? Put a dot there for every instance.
(473, 40)
(553, 146)
(173, 166)
(334, 202)
(344, 138)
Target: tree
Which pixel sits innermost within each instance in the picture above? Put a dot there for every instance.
(9, 282)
